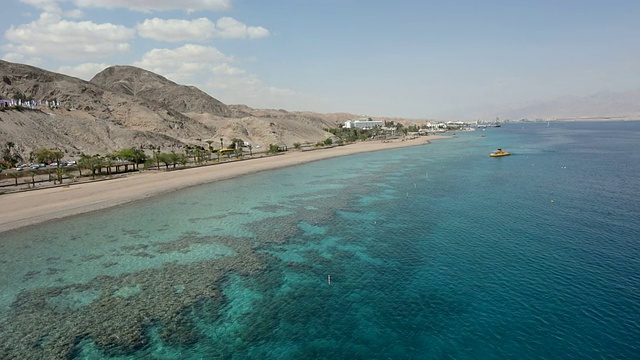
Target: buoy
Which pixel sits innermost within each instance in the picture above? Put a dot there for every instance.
(551, 201)
(329, 279)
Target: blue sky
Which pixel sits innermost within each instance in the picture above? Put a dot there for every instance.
(417, 59)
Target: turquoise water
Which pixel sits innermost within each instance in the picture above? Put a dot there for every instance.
(434, 251)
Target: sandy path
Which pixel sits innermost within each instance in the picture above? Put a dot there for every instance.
(32, 207)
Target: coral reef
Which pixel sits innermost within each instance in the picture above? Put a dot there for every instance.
(116, 312)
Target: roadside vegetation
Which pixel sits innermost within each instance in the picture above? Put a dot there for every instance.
(47, 165)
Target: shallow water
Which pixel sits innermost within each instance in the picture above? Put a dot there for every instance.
(433, 251)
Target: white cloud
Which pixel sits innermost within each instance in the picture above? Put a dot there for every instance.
(74, 13)
(53, 7)
(62, 39)
(233, 29)
(183, 62)
(84, 71)
(49, 6)
(214, 73)
(280, 91)
(176, 30)
(158, 5)
(20, 58)
(198, 30)
(248, 89)
(226, 69)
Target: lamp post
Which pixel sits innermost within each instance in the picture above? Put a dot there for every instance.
(156, 154)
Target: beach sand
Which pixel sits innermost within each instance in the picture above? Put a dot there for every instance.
(32, 207)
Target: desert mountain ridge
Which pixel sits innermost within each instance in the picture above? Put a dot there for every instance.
(125, 106)
(602, 105)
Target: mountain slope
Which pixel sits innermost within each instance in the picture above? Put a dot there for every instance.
(144, 84)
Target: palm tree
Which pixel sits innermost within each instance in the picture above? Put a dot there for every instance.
(60, 172)
(57, 154)
(90, 163)
(195, 152)
(187, 151)
(164, 158)
(156, 154)
(183, 159)
(33, 178)
(98, 164)
(84, 163)
(174, 158)
(209, 142)
(138, 156)
(108, 162)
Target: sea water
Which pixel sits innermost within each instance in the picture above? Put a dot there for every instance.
(434, 251)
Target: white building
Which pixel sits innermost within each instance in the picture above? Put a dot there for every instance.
(363, 123)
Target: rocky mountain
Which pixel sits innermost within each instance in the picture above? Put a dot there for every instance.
(149, 86)
(124, 106)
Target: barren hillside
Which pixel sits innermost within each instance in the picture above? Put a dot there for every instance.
(143, 84)
(125, 106)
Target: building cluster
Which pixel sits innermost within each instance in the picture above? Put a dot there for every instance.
(449, 125)
(368, 123)
(29, 104)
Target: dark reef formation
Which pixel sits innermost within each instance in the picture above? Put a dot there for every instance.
(116, 312)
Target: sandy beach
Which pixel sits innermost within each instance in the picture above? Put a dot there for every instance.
(32, 207)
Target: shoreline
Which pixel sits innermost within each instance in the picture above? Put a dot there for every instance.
(27, 208)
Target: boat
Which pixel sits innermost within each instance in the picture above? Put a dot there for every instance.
(500, 153)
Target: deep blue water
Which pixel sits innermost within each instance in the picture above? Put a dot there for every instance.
(434, 251)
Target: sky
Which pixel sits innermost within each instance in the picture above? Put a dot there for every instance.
(453, 59)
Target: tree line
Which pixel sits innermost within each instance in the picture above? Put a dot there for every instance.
(128, 158)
